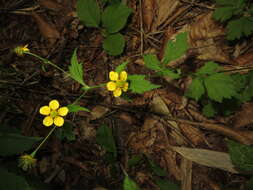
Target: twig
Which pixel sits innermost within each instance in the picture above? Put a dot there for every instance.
(141, 26)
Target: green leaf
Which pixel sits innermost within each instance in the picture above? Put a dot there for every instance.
(105, 139)
(239, 27)
(12, 181)
(164, 184)
(115, 16)
(176, 48)
(88, 12)
(170, 73)
(136, 159)
(121, 67)
(196, 89)
(114, 44)
(76, 69)
(130, 184)
(208, 69)
(209, 110)
(152, 62)
(11, 143)
(241, 155)
(76, 108)
(220, 86)
(139, 85)
(223, 13)
(66, 132)
(157, 169)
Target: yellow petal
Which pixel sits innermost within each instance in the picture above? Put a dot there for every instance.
(54, 104)
(113, 76)
(125, 87)
(48, 121)
(58, 121)
(45, 110)
(111, 86)
(63, 111)
(117, 92)
(123, 76)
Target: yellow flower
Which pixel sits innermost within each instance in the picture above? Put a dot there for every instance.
(20, 50)
(54, 114)
(118, 83)
(26, 161)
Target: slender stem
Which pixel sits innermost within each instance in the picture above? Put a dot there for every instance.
(44, 140)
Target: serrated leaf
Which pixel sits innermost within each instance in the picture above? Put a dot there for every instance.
(76, 69)
(130, 184)
(152, 62)
(66, 132)
(219, 86)
(88, 12)
(164, 184)
(157, 169)
(208, 69)
(114, 44)
(105, 139)
(121, 67)
(76, 108)
(12, 181)
(223, 13)
(115, 16)
(176, 48)
(239, 27)
(196, 89)
(170, 73)
(241, 155)
(139, 85)
(11, 143)
(209, 110)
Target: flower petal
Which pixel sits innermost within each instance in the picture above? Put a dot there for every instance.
(54, 104)
(117, 92)
(125, 87)
(45, 110)
(113, 76)
(111, 86)
(123, 76)
(63, 111)
(58, 121)
(48, 121)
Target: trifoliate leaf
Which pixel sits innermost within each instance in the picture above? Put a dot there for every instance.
(176, 48)
(88, 12)
(11, 143)
(164, 184)
(129, 184)
(115, 16)
(12, 181)
(152, 62)
(239, 27)
(219, 86)
(76, 69)
(114, 44)
(209, 110)
(241, 155)
(223, 13)
(139, 85)
(170, 73)
(121, 67)
(196, 89)
(76, 108)
(105, 139)
(208, 69)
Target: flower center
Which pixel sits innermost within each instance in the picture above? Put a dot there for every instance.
(53, 114)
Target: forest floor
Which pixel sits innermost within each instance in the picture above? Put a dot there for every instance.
(149, 128)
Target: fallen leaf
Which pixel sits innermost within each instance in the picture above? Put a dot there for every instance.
(245, 59)
(50, 4)
(203, 37)
(148, 12)
(98, 112)
(244, 116)
(47, 30)
(158, 106)
(186, 170)
(207, 158)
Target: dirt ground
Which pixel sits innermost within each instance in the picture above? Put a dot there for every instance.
(150, 125)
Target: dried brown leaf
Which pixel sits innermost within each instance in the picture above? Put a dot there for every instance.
(50, 4)
(207, 158)
(186, 170)
(245, 59)
(148, 12)
(244, 116)
(98, 112)
(47, 30)
(204, 37)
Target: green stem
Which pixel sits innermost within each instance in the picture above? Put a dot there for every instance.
(44, 140)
